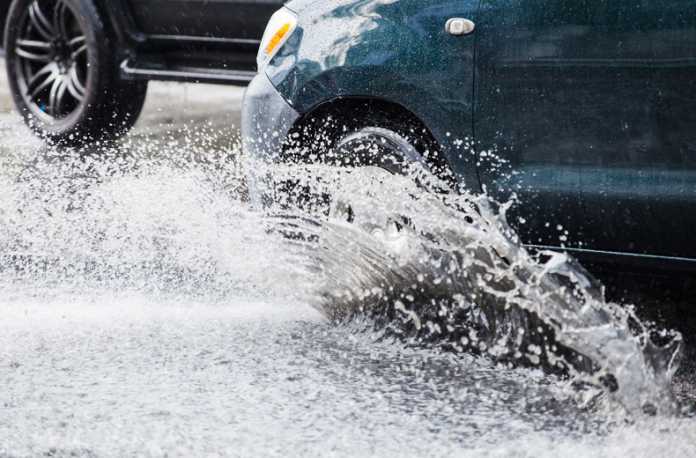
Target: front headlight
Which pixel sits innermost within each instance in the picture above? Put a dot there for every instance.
(278, 30)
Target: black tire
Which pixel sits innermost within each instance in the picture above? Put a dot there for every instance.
(362, 138)
(338, 138)
(63, 70)
(379, 147)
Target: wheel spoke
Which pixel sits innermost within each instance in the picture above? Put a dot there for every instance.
(46, 69)
(56, 97)
(78, 45)
(78, 41)
(76, 81)
(34, 50)
(60, 19)
(34, 44)
(39, 82)
(74, 91)
(75, 54)
(75, 87)
(40, 23)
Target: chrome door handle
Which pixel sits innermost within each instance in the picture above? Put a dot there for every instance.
(458, 26)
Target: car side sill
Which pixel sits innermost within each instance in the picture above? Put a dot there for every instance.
(187, 74)
(198, 39)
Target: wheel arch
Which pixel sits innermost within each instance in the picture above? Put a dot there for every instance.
(116, 16)
(322, 125)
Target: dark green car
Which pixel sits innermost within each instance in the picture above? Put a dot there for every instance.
(585, 110)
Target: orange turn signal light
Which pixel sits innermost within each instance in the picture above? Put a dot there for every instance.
(277, 38)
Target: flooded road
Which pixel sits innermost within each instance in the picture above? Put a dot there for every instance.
(148, 311)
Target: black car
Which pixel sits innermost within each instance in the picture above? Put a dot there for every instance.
(78, 69)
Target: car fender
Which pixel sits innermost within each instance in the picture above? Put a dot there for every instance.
(396, 51)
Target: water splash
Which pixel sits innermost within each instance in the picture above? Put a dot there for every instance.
(121, 220)
(448, 269)
(431, 268)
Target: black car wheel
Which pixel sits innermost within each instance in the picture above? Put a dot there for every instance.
(379, 147)
(367, 133)
(392, 142)
(63, 72)
(360, 138)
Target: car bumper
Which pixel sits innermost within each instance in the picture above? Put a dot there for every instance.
(266, 120)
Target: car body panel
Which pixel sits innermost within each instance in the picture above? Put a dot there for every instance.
(222, 19)
(591, 104)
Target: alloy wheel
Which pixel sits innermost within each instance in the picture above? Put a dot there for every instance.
(52, 60)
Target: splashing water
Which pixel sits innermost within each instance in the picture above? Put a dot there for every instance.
(432, 269)
(448, 269)
(129, 222)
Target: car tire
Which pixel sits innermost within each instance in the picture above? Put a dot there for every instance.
(332, 136)
(373, 140)
(63, 71)
(378, 147)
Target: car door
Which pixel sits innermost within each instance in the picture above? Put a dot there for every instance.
(218, 19)
(587, 109)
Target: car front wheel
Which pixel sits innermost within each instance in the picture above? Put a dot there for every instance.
(379, 147)
(63, 72)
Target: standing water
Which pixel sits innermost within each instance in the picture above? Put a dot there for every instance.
(148, 309)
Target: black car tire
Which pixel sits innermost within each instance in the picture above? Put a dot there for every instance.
(374, 142)
(333, 135)
(379, 147)
(63, 71)
(397, 147)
